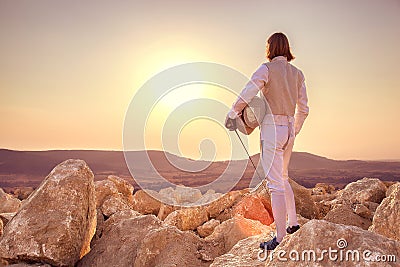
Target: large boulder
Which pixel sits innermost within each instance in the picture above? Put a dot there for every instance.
(318, 237)
(113, 194)
(207, 228)
(228, 233)
(305, 205)
(224, 202)
(254, 207)
(244, 253)
(57, 221)
(119, 241)
(344, 214)
(187, 218)
(8, 203)
(146, 203)
(364, 190)
(386, 219)
(168, 246)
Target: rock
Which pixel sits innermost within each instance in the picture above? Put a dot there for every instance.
(207, 228)
(1, 228)
(23, 192)
(57, 221)
(145, 203)
(119, 216)
(6, 217)
(187, 218)
(304, 202)
(165, 210)
(253, 207)
(318, 235)
(323, 188)
(344, 214)
(8, 203)
(119, 241)
(208, 197)
(168, 246)
(391, 189)
(23, 264)
(244, 253)
(186, 195)
(366, 189)
(113, 194)
(104, 189)
(99, 227)
(228, 233)
(362, 211)
(113, 204)
(225, 202)
(123, 187)
(386, 218)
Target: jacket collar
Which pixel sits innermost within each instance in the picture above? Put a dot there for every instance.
(279, 58)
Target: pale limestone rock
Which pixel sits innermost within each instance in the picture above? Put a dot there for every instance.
(57, 221)
(225, 202)
(228, 233)
(244, 253)
(318, 235)
(362, 211)
(207, 228)
(145, 202)
(386, 220)
(304, 202)
(8, 203)
(168, 246)
(113, 204)
(119, 241)
(344, 214)
(187, 218)
(366, 189)
(165, 210)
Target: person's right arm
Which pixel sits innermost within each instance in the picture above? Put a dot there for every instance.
(302, 109)
(257, 81)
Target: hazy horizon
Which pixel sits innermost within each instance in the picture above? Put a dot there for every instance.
(110, 150)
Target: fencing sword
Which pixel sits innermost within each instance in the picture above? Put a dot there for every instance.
(255, 168)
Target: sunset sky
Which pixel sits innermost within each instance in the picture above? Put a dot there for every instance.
(69, 69)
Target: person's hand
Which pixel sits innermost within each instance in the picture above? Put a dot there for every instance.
(230, 124)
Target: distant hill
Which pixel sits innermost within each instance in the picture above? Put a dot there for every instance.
(28, 168)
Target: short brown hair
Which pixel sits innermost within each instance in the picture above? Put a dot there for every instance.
(278, 45)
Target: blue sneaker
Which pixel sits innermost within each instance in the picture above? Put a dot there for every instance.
(269, 245)
(292, 229)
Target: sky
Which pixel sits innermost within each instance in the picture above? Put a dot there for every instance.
(69, 69)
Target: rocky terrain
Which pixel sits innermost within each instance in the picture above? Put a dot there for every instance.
(72, 220)
(26, 169)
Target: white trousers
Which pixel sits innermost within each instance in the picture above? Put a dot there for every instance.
(276, 148)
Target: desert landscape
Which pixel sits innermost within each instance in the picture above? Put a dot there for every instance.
(72, 220)
(27, 168)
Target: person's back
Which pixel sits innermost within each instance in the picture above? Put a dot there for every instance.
(281, 90)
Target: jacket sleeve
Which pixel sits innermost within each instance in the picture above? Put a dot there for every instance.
(302, 109)
(258, 81)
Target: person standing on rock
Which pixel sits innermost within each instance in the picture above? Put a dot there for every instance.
(283, 88)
